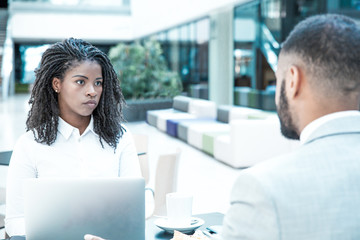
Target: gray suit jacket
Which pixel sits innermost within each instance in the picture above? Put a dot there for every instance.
(311, 193)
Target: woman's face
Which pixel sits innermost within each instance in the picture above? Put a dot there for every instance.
(80, 91)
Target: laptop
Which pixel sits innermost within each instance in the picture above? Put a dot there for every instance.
(112, 208)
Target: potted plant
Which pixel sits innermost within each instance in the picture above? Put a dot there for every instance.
(145, 79)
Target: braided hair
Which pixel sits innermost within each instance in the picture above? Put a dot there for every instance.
(43, 117)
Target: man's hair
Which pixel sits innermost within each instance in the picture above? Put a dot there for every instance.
(44, 112)
(329, 46)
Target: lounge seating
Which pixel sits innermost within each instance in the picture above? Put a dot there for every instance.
(237, 136)
(163, 118)
(251, 142)
(183, 108)
(180, 105)
(201, 133)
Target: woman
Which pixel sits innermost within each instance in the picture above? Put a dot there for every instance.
(75, 122)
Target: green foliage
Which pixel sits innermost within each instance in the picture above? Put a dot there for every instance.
(143, 72)
(22, 88)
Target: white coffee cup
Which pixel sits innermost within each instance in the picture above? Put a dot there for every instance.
(179, 209)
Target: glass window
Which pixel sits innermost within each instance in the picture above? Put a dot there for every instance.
(192, 32)
(245, 28)
(347, 7)
(30, 58)
(161, 36)
(173, 34)
(192, 54)
(184, 33)
(185, 49)
(174, 49)
(202, 54)
(202, 31)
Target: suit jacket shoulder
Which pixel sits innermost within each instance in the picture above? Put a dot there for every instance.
(311, 193)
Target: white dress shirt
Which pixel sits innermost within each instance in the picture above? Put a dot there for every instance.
(311, 127)
(71, 156)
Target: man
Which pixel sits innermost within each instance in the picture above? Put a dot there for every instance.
(313, 192)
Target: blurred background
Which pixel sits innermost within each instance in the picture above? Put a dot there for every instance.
(225, 51)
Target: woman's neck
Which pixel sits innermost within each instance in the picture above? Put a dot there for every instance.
(80, 123)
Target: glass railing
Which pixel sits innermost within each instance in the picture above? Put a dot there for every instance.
(119, 6)
(113, 3)
(269, 47)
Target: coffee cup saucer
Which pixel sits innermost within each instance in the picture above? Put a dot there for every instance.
(164, 224)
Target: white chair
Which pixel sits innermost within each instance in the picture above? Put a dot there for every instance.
(141, 144)
(2, 222)
(166, 176)
(2, 202)
(2, 195)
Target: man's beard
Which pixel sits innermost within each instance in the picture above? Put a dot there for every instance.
(288, 128)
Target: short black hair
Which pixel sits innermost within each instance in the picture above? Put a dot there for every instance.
(55, 62)
(329, 46)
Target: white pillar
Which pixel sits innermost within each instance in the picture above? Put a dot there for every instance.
(221, 45)
(8, 61)
(7, 69)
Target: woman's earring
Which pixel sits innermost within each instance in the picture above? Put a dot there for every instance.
(56, 90)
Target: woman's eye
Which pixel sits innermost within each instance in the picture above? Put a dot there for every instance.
(98, 83)
(81, 82)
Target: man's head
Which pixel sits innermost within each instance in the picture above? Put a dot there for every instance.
(318, 71)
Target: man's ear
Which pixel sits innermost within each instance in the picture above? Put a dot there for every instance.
(56, 84)
(295, 81)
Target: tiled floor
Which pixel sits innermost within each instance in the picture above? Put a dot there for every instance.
(207, 179)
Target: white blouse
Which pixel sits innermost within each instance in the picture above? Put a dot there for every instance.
(70, 156)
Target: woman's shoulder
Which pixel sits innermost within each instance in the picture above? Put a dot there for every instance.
(124, 128)
(126, 136)
(26, 138)
(126, 133)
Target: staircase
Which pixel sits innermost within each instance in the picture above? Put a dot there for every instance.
(3, 26)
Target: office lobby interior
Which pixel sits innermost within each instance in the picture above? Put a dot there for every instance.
(220, 57)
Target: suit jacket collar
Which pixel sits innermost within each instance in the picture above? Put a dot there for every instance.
(343, 125)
